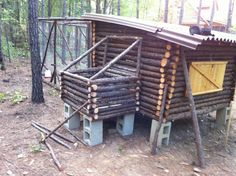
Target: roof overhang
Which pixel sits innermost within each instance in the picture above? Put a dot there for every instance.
(177, 34)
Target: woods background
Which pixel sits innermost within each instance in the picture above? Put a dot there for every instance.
(14, 15)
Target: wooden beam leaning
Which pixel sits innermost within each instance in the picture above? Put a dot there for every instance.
(115, 59)
(154, 143)
(198, 141)
(46, 50)
(85, 54)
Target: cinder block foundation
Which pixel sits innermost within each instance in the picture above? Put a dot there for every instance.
(221, 117)
(74, 122)
(92, 131)
(164, 133)
(125, 124)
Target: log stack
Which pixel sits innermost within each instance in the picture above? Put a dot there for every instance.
(112, 94)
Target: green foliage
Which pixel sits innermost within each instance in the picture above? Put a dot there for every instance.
(17, 97)
(8, 48)
(3, 97)
(36, 148)
(121, 148)
(53, 92)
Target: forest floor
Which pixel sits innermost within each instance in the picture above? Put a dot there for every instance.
(21, 154)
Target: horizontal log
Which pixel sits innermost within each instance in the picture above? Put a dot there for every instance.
(199, 112)
(75, 86)
(152, 85)
(74, 91)
(112, 108)
(110, 87)
(75, 76)
(113, 93)
(151, 70)
(105, 100)
(148, 75)
(68, 78)
(114, 114)
(149, 100)
(152, 91)
(156, 80)
(115, 80)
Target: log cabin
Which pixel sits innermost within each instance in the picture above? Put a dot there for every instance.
(139, 66)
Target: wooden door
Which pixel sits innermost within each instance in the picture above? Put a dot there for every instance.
(207, 77)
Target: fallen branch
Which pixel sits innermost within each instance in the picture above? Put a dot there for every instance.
(56, 133)
(76, 137)
(52, 137)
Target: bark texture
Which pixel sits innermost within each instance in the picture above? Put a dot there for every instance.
(37, 87)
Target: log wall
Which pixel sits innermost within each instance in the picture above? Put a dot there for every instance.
(157, 55)
(160, 64)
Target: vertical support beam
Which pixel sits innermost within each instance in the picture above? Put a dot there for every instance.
(154, 143)
(199, 12)
(46, 50)
(198, 139)
(221, 116)
(90, 42)
(139, 57)
(54, 54)
(105, 52)
(181, 14)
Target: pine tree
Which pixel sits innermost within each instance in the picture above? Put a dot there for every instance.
(37, 86)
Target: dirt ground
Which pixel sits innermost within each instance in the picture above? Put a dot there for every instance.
(20, 152)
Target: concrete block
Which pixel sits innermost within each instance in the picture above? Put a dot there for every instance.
(164, 133)
(92, 131)
(74, 122)
(228, 112)
(221, 116)
(125, 124)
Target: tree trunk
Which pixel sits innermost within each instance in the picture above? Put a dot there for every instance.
(37, 86)
(88, 6)
(49, 24)
(104, 6)
(199, 12)
(212, 13)
(166, 11)
(230, 13)
(63, 46)
(2, 67)
(181, 14)
(43, 44)
(159, 10)
(137, 9)
(118, 7)
(98, 9)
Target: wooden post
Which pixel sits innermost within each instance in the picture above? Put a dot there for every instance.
(60, 125)
(115, 59)
(139, 57)
(154, 143)
(198, 141)
(85, 54)
(54, 53)
(46, 50)
(105, 52)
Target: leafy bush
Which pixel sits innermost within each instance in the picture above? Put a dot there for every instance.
(3, 97)
(17, 97)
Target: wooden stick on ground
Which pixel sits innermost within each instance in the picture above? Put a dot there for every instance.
(57, 140)
(228, 126)
(198, 139)
(76, 137)
(154, 143)
(76, 111)
(57, 163)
